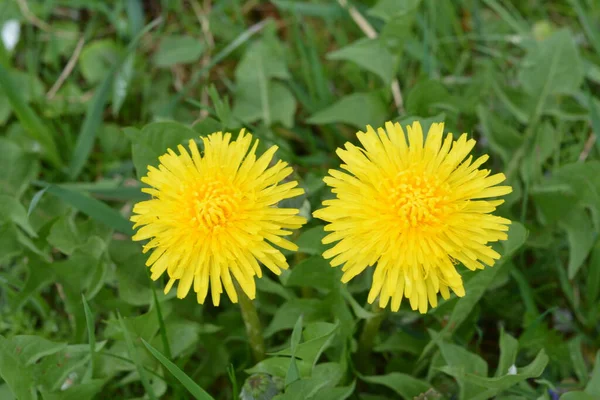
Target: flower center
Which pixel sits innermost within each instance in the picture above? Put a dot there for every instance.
(213, 204)
(417, 199)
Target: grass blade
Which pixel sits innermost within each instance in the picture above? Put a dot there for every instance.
(93, 208)
(162, 328)
(133, 355)
(230, 48)
(32, 124)
(594, 118)
(588, 26)
(93, 115)
(190, 385)
(89, 319)
(510, 20)
(35, 200)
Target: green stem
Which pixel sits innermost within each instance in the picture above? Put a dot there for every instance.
(367, 337)
(253, 326)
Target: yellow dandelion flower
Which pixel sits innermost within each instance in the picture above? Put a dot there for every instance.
(214, 215)
(415, 208)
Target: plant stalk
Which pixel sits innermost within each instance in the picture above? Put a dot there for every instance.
(367, 336)
(252, 324)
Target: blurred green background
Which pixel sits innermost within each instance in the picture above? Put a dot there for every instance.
(92, 91)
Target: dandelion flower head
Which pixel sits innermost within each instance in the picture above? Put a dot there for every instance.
(214, 216)
(415, 208)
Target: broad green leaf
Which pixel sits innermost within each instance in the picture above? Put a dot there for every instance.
(357, 109)
(317, 336)
(93, 208)
(207, 126)
(114, 143)
(31, 348)
(78, 391)
(503, 139)
(358, 310)
(322, 10)
(267, 285)
(11, 210)
(553, 201)
(577, 360)
(369, 54)
(323, 378)
(264, 59)
(498, 384)
(460, 362)
(553, 66)
(293, 374)
(309, 241)
(83, 272)
(427, 98)
(40, 275)
(133, 280)
(278, 366)
(177, 49)
(336, 393)
(186, 381)
(287, 314)
(5, 392)
(314, 272)
(154, 140)
(97, 58)
(565, 198)
(269, 101)
(577, 396)
(18, 168)
(330, 372)
(582, 181)
(19, 379)
(53, 370)
(401, 341)
(302, 389)
(404, 385)
(509, 347)
(109, 190)
(399, 17)
(258, 96)
(181, 336)
(593, 386)
(64, 235)
(10, 243)
(390, 9)
(581, 236)
(545, 143)
(144, 326)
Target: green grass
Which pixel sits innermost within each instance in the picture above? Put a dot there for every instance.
(79, 316)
